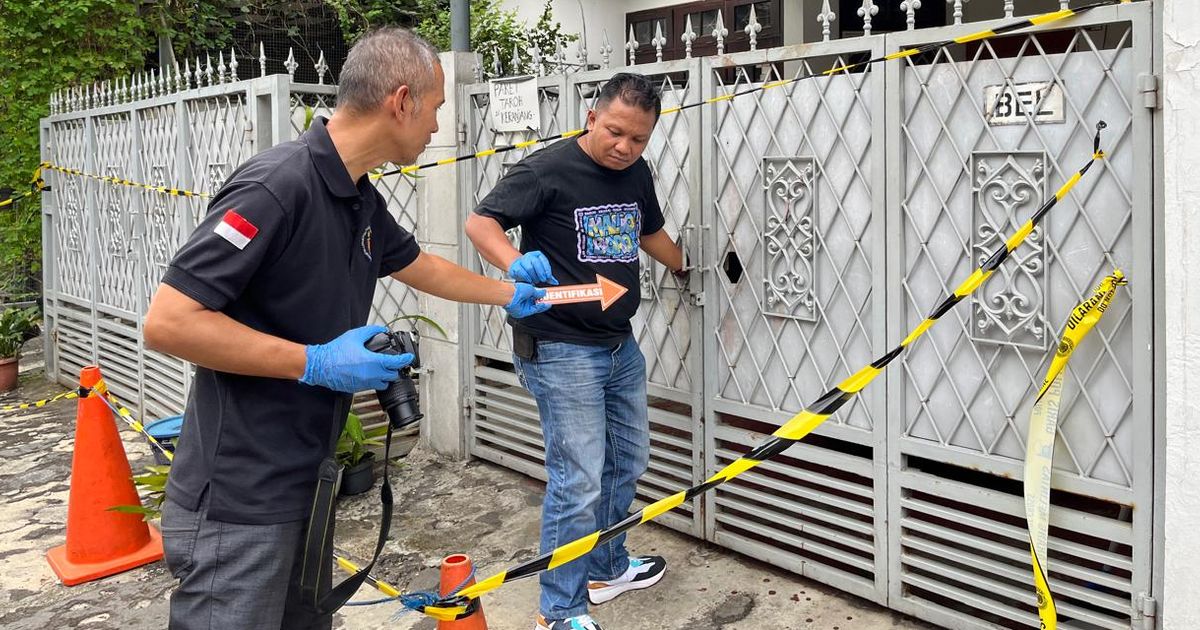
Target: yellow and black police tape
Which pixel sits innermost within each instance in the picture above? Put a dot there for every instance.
(1043, 427)
(36, 185)
(118, 181)
(101, 391)
(791, 432)
(71, 395)
(1015, 25)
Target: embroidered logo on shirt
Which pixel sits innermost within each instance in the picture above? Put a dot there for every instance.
(608, 233)
(236, 229)
(366, 242)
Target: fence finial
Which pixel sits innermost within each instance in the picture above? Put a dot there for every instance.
(321, 67)
(753, 28)
(535, 55)
(233, 64)
(560, 56)
(720, 32)
(262, 60)
(497, 70)
(208, 69)
(606, 49)
(958, 10)
(910, 11)
(826, 17)
(152, 84)
(688, 37)
(581, 53)
(180, 80)
(164, 84)
(516, 58)
(631, 46)
(221, 66)
(658, 41)
(199, 73)
(866, 12)
(290, 63)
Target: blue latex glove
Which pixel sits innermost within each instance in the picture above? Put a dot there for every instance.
(525, 301)
(532, 268)
(345, 365)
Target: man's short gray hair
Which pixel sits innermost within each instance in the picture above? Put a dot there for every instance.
(381, 62)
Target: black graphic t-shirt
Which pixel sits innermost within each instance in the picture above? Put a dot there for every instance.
(588, 220)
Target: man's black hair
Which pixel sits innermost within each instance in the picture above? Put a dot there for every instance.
(633, 89)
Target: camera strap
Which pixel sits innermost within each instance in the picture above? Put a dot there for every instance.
(318, 542)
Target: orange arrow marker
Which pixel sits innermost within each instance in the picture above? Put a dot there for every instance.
(604, 291)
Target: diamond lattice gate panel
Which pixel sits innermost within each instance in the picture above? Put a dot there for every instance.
(668, 320)
(983, 134)
(504, 425)
(166, 222)
(794, 305)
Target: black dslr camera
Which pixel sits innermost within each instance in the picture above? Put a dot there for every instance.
(400, 399)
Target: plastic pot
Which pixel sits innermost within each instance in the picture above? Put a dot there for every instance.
(360, 477)
(8, 374)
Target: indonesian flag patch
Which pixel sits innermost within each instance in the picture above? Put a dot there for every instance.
(236, 229)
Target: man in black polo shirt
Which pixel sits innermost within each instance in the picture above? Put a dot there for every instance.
(268, 298)
(585, 208)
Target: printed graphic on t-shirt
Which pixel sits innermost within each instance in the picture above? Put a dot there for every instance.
(608, 233)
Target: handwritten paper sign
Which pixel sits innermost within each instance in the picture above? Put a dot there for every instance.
(515, 104)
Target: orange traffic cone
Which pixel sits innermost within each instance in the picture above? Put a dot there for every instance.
(455, 571)
(100, 542)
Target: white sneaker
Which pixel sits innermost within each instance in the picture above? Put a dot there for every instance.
(582, 622)
(643, 572)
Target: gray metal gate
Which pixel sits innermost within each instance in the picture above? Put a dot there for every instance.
(827, 218)
(106, 246)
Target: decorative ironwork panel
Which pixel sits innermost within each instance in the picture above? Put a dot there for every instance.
(962, 196)
(71, 220)
(1011, 308)
(115, 260)
(790, 239)
(220, 141)
(786, 255)
(159, 127)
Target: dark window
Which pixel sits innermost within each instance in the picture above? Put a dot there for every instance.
(890, 18)
(762, 13)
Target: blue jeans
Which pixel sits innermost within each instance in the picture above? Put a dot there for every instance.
(592, 403)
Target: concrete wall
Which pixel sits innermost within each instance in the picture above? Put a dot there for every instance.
(439, 230)
(1181, 225)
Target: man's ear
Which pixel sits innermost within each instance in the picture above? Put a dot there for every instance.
(403, 102)
(591, 119)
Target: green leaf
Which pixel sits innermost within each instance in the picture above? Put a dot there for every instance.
(421, 318)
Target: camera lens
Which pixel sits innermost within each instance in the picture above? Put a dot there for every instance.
(401, 402)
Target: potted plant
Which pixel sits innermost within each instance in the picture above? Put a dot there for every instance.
(17, 326)
(358, 475)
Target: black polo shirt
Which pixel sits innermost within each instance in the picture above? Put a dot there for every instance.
(291, 247)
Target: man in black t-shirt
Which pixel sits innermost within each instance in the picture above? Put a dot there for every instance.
(268, 298)
(585, 208)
